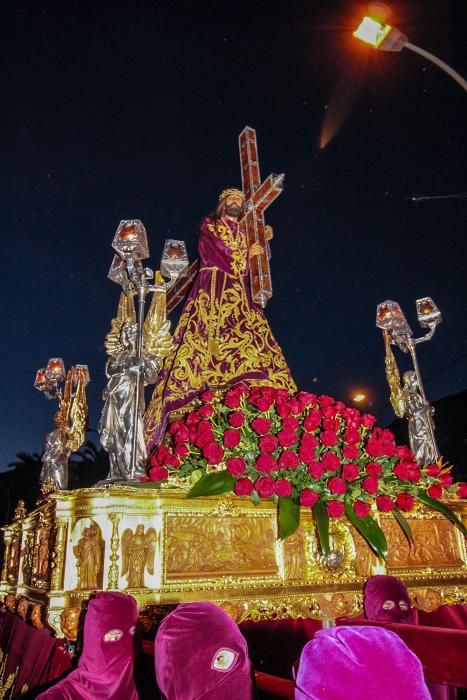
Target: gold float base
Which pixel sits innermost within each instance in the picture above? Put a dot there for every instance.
(164, 549)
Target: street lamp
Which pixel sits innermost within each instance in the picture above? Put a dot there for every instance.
(387, 38)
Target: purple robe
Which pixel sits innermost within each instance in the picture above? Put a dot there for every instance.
(222, 337)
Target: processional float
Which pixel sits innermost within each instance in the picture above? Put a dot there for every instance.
(164, 548)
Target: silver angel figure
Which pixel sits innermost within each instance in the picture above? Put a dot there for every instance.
(55, 461)
(420, 419)
(124, 370)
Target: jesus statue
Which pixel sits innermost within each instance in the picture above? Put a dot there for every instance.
(222, 337)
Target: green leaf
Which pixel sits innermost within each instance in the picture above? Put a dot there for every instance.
(437, 505)
(254, 495)
(404, 525)
(369, 529)
(322, 523)
(289, 516)
(212, 484)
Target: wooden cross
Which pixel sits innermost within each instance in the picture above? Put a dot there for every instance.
(258, 196)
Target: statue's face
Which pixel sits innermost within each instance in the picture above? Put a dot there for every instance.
(10, 602)
(233, 205)
(69, 623)
(23, 608)
(36, 617)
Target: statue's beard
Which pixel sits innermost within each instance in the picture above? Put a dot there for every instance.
(233, 210)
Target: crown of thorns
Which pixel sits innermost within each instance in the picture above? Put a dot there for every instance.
(230, 191)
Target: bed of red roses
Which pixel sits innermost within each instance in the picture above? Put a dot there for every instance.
(305, 450)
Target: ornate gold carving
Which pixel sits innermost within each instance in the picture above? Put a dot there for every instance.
(436, 544)
(69, 620)
(89, 557)
(114, 542)
(27, 557)
(320, 568)
(138, 549)
(58, 554)
(428, 599)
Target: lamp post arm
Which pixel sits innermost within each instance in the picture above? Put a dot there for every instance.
(441, 64)
(427, 336)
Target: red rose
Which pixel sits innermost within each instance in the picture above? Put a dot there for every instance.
(350, 472)
(403, 452)
(385, 503)
(206, 396)
(401, 471)
(446, 480)
(290, 422)
(172, 461)
(261, 425)
(282, 409)
(281, 394)
(331, 424)
(435, 491)
(405, 501)
(213, 452)
(268, 444)
(287, 437)
(370, 484)
(351, 436)
(237, 419)
(337, 485)
(235, 466)
(283, 487)
(204, 439)
(162, 453)
(306, 454)
(316, 469)
(183, 434)
(325, 400)
(263, 404)
(309, 440)
(361, 509)
(232, 398)
(328, 438)
(374, 469)
(181, 450)
(462, 489)
(308, 498)
(158, 473)
(192, 418)
(415, 474)
(206, 411)
(350, 452)
(173, 427)
(335, 509)
(264, 486)
(154, 461)
(288, 460)
(374, 447)
(432, 470)
(266, 463)
(306, 399)
(243, 487)
(295, 406)
(144, 478)
(312, 421)
(330, 461)
(329, 411)
(231, 438)
(368, 420)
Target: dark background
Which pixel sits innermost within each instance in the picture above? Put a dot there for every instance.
(132, 109)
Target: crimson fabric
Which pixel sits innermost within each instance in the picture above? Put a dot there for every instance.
(454, 616)
(277, 687)
(359, 663)
(378, 590)
(187, 643)
(442, 651)
(105, 668)
(274, 646)
(36, 659)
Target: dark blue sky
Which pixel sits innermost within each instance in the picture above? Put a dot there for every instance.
(132, 109)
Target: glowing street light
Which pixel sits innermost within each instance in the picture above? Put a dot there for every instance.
(387, 38)
(359, 397)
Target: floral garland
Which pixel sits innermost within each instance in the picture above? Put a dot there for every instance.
(300, 450)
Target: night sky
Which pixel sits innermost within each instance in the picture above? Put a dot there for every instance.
(132, 110)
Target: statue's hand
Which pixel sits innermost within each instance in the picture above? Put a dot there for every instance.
(269, 232)
(256, 249)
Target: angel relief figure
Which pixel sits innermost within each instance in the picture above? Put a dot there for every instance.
(138, 550)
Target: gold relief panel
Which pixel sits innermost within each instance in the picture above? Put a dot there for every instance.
(88, 553)
(437, 544)
(138, 553)
(339, 565)
(204, 546)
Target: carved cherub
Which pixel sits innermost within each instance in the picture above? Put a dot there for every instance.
(138, 550)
